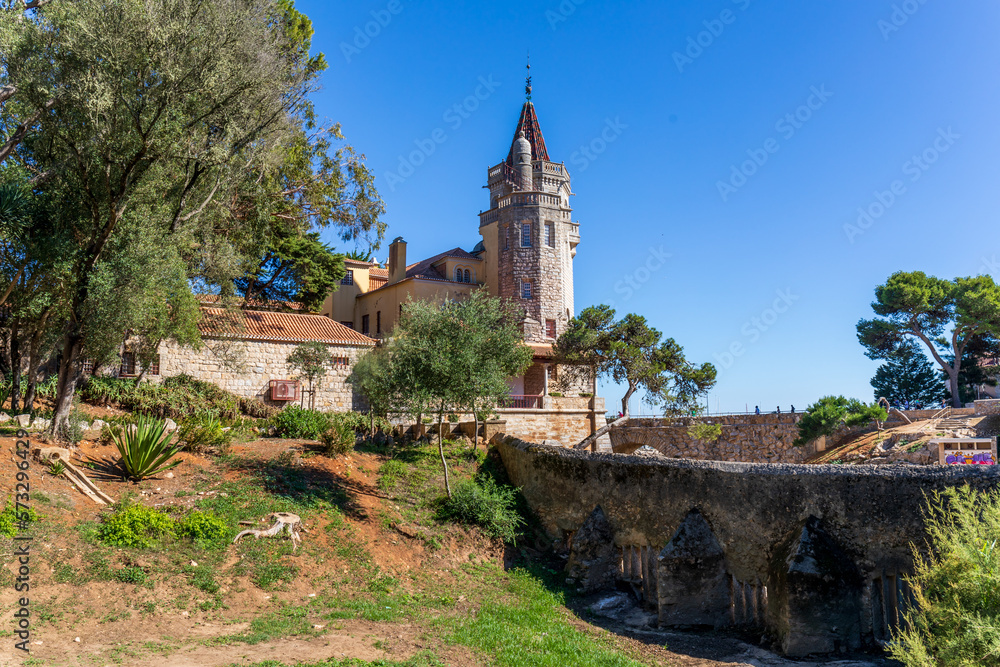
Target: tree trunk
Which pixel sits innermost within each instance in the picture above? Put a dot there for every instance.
(15, 366)
(628, 395)
(34, 350)
(66, 384)
(444, 463)
(956, 397)
(475, 430)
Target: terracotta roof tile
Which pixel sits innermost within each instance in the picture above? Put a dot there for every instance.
(274, 326)
(379, 273)
(209, 299)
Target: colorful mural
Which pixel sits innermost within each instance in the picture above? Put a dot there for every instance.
(969, 458)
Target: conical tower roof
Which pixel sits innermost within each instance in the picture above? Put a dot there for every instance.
(528, 123)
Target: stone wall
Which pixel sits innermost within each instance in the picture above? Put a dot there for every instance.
(748, 438)
(245, 368)
(987, 407)
(763, 526)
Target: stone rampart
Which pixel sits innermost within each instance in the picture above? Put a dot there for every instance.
(749, 438)
(761, 538)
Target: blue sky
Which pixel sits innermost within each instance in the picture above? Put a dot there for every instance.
(739, 137)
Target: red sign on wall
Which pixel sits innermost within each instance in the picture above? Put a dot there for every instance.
(284, 390)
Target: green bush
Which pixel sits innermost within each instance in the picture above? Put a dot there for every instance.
(175, 397)
(135, 526)
(705, 432)
(825, 415)
(145, 450)
(296, 422)
(9, 519)
(203, 527)
(204, 434)
(485, 504)
(253, 407)
(131, 574)
(956, 619)
(338, 439)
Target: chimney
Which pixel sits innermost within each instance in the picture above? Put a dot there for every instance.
(397, 260)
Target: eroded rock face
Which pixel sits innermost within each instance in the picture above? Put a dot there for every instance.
(692, 580)
(814, 590)
(593, 556)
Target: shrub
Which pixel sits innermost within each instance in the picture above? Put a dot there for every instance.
(956, 618)
(204, 434)
(825, 415)
(705, 432)
(252, 407)
(136, 526)
(175, 397)
(145, 449)
(485, 504)
(203, 527)
(11, 518)
(338, 439)
(296, 422)
(131, 574)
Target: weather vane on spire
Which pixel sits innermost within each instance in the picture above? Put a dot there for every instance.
(527, 81)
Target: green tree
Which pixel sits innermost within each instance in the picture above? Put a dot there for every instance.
(295, 268)
(187, 122)
(456, 355)
(946, 316)
(980, 360)
(311, 360)
(830, 412)
(908, 378)
(632, 352)
(373, 377)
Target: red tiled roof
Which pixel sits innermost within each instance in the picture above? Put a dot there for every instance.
(532, 132)
(274, 326)
(379, 273)
(208, 299)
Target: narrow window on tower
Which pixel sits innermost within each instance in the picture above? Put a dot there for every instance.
(550, 328)
(506, 237)
(378, 322)
(467, 276)
(525, 234)
(458, 275)
(364, 324)
(525, 289)
(550, 235)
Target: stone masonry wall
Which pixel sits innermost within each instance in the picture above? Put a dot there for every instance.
(254, 364)
(747, 438)
(736, 528)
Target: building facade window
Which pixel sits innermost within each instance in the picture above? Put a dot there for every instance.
(458, 275)
(128, 364)
(525, 289)
(348, 278)
(550, 235)
(87, 366)
(364, 324)
(349, 325)
(506, 237)
(378, 322)
(525, 234)
(467, 276)
(154, 366)
(550, 328)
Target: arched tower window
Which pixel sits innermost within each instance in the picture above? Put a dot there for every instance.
(467, 274)
(458, 275)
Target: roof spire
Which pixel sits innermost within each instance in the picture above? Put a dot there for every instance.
(527, 81)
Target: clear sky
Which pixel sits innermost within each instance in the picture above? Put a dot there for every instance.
(720, 152)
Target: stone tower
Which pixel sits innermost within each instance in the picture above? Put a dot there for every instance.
(528, 236)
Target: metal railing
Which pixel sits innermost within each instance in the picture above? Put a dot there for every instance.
(522, 401)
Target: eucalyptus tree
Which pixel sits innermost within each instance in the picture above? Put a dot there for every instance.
(175, 125)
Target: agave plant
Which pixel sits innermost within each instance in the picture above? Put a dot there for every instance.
(145, 449)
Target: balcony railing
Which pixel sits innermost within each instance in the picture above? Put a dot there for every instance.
(523, 401)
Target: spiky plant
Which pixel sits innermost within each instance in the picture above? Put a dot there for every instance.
(146, 449)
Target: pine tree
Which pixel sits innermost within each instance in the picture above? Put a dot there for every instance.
(908, 378)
